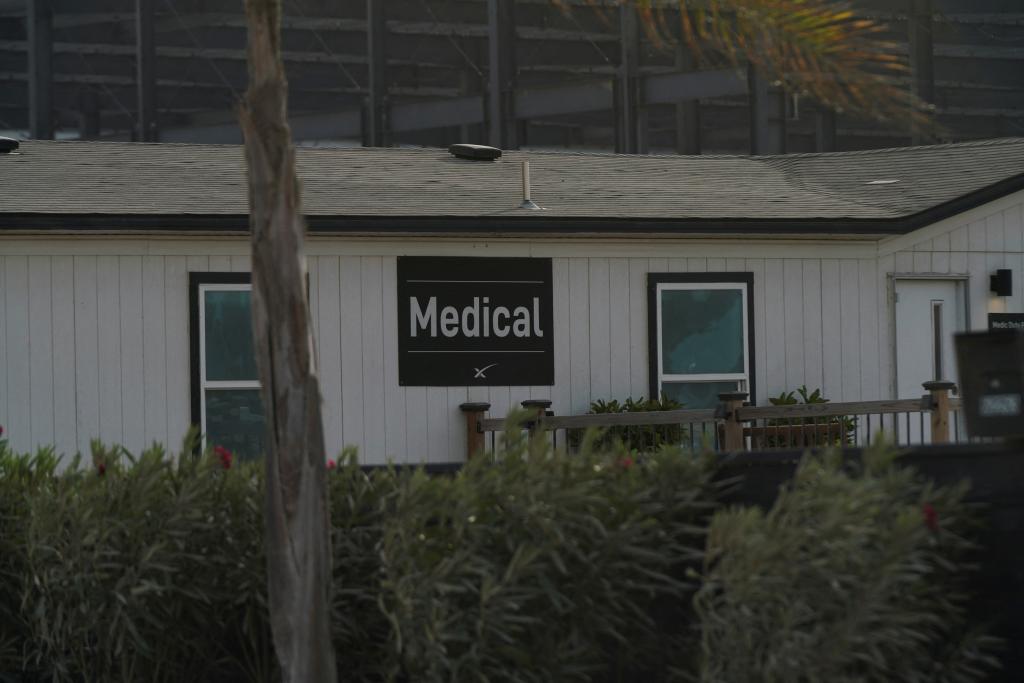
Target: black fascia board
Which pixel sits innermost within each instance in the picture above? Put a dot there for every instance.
(525, 225)
(454, 225)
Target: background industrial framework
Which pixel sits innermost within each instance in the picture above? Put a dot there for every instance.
(512, 74)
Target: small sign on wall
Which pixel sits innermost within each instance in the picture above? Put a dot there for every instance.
(1006, 321)
(475, 321)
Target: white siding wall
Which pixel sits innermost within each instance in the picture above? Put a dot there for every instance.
(975, 245)
(93, 345)
(94, 332)
(601, 344)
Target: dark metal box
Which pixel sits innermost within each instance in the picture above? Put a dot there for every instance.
(991, 368)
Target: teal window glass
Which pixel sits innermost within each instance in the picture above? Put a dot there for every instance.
(702, 332)
(235, 420)
(228, 336)
(697, 395)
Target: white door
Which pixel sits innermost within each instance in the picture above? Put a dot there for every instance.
(928, 314)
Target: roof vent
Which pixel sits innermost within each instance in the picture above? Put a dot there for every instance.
(8, 145)
(474, 152)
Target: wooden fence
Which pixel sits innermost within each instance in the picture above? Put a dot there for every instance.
(734, 426)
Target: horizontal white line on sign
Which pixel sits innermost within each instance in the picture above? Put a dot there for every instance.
(508, 351)
(493, 282)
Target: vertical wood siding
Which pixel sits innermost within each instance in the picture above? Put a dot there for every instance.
(40, 332)
(108, 332)
(4, 386)
(65, 421)
(96, 344)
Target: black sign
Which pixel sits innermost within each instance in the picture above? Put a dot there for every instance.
(991, 366)
(475, 321)
(1006, 321)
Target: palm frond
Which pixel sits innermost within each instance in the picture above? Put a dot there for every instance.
(819, 48)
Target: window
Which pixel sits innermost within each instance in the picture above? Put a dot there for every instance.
(225, 385)
(701, 335)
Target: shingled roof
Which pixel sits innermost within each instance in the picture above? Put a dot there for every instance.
(117, 185)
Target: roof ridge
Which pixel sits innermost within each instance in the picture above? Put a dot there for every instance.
(132, 143)
(914, 149)
(987, 142)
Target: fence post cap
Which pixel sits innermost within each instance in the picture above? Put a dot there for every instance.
(938, 385)
(733, 396)
(536, 403)
(474, 407)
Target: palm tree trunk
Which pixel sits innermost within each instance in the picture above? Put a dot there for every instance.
(296, 510)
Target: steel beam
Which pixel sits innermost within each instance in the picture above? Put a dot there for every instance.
(627, 84)
(574, 99)
(377, 100)
(461, 111)
(13, 7)
(694, 85)
(40, 69)
(922, 67)
(687, 114)
(502, 74)
(471, 109)
(341, 125)
(470, 87)
(767, 116)
(919, 37)
(89, 115)
(825, 131)
(145, 72)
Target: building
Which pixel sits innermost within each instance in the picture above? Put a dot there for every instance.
(522, 73)
(124, 310)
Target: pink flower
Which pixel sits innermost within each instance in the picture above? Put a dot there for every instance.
(331, 464)
(626, 463)
(1, 430)
(225, 456)
(931, 517)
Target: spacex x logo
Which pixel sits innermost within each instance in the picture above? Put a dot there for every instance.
(479, 372)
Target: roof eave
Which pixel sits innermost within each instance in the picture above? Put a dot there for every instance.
(532, 225)
(441, 225)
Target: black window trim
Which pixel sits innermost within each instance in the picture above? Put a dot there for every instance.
(655, 279)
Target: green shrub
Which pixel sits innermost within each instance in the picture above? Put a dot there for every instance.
(20, 477)
(839, 430)
(361, 502)
(147, 569)
(638, 438)
(855, 574)
(541, 567)
(537, 566)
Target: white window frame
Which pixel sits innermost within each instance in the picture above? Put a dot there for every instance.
(742, 379)
(204, 383)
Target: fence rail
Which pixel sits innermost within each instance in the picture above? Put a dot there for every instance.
(811, 410)
(659, 417)
(934, 418)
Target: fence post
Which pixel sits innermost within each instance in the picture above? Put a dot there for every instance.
(732, 433)
(474, 413)
(539, 407)
(939, 391)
